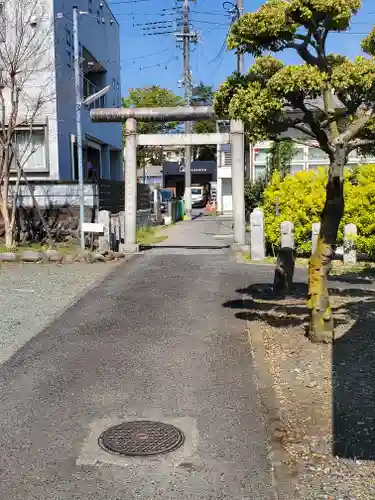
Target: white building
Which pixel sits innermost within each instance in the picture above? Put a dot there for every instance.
(54, 161)
(305, 158)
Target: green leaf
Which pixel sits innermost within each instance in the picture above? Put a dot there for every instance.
(151, 97)
(321, 97)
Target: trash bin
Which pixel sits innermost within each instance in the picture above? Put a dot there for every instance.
(180, 210)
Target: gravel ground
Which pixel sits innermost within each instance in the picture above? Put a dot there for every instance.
(326, 393)
(32, 295)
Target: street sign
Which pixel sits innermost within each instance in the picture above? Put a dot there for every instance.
(89, 227)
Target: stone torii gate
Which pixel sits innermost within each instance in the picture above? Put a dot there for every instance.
(186, 113)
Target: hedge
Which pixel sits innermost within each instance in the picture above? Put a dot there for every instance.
(299, 198)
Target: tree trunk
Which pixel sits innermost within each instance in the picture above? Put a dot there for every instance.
(321, 328)
(4, 209)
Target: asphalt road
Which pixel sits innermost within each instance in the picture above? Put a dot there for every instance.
(152, 341)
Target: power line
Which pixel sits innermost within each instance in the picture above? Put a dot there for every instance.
(150, 54)
(212, 13)
(209, 22)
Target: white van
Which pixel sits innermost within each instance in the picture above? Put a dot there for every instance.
(198, 196)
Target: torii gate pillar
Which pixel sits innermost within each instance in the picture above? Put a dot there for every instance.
(130, 116)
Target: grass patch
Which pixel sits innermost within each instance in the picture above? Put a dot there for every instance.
(268, 260)
(300, 262)
(338, 267)
(361, 268)
(149, 236)
(67, 248)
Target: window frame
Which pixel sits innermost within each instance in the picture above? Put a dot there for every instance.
(42, 131)
(2, 22)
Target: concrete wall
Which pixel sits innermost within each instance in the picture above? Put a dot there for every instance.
(56, 195)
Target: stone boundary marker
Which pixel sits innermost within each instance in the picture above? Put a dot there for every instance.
(287, 243)
(54, 256)
(257, 236)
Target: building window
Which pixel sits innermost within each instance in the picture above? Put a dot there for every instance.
(31, 149)
(261, 154)
(317, 154)
(69, 58)
(313, 167)
(298, 153)
(68, 38)
(260, 172)
(90, 7)
(2, 22)
(294, 169)
(114, 92)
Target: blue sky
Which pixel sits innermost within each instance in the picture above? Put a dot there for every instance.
(157, 60)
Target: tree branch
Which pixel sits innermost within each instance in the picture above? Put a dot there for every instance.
(311, 144)
(305, 130)
(363, 115)
(308, 118)
(358, 143)
(303, 52)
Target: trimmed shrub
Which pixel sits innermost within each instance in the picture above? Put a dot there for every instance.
(300, 199)
(360, 207)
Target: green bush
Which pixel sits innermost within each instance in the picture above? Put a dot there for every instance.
(254, 194)
(300, 199)
(360, 207)
(297, 198)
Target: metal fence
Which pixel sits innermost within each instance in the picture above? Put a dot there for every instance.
(117, 226)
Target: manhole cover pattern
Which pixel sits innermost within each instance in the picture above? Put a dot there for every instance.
(141, 438)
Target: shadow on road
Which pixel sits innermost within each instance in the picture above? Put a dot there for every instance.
(353, 357)
(187, 247)
(197, 216)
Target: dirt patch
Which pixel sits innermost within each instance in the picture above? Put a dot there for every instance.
(325, 393)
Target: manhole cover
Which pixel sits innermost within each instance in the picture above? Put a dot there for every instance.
(141, 438)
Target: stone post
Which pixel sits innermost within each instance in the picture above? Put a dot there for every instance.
(350, 236)
(104, 218)
(117, 234)
(284, 271)
(257, 241)
(287, 235)
(314, 236)
(156, 200)
(122, 227)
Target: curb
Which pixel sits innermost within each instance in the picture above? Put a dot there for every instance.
(282, 478)
(53, 256)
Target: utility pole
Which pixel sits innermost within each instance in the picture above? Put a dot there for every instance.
(187, 86)
(238, 164)
(78, 91)
(240, 56)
